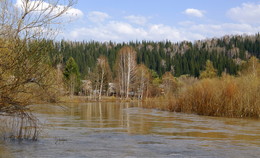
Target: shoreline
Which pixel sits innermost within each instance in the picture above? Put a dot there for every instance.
(159, 103)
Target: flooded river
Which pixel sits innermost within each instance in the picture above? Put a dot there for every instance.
(125, 130)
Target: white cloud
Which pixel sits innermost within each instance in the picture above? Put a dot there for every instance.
(194, 12)
(139, 20)
(73, 12)
(41, 6)
(122, 28)
(163, 32)
(97, 17)
(247, 13)
(218, 30)
(120, 31)
(139, 28)
(113, 30)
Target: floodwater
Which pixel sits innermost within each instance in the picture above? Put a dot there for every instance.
(125, 130)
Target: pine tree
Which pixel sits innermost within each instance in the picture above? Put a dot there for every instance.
(72, 75)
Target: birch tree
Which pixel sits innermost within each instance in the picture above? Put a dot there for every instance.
(101, 76)
(126, 70)
(142, 80)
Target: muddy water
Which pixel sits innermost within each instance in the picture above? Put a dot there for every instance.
(127, 130)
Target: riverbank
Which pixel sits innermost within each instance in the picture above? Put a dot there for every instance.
(227, 96)
(82, 99)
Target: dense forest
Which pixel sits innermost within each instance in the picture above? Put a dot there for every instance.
(227, 54)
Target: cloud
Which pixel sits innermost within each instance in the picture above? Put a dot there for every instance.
(44, 7)
(97, 17)
(140, 28)
(113, 30)
(139, 20)
(218, 30)
(73, 12)
(247, 13)
(194, 12)
(123, 32)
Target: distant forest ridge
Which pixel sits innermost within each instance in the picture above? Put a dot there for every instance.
(227, 54)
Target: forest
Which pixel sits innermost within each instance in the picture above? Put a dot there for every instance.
(227, 54)
(205, 72)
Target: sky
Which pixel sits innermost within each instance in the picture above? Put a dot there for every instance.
(159, 20)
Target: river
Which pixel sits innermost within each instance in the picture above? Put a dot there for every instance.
(126, 130)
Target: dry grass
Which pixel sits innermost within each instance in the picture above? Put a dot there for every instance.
(227, 96)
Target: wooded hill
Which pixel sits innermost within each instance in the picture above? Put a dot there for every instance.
(227, 54)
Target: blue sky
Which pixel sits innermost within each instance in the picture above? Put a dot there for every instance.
(157, 20)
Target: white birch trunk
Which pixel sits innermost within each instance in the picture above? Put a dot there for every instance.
(101, 84)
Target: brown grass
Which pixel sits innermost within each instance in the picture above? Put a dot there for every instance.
(227, 96)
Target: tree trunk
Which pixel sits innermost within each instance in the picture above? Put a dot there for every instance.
(101, 84)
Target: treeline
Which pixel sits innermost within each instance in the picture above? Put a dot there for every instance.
(227, 54)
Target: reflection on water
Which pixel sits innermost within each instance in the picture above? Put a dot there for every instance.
(127, 130)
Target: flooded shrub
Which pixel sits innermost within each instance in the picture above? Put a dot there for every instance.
(19, 126)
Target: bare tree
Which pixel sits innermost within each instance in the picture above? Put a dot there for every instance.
(142, 80)
(126, 69)
(29, 19)
(101, 76)
(24, 70)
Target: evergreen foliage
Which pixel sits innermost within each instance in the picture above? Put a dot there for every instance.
(72, 75)
(227, 54)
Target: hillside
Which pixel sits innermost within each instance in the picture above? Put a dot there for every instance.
(226, 53)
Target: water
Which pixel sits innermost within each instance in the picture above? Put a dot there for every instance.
(127, 131)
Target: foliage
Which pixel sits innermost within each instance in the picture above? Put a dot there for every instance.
(72, 76)
(169, 83)
(209, 72)
(227, 54)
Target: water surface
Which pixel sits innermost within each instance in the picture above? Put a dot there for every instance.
(127, 130)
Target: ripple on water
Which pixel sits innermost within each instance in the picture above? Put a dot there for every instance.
(121, 130)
